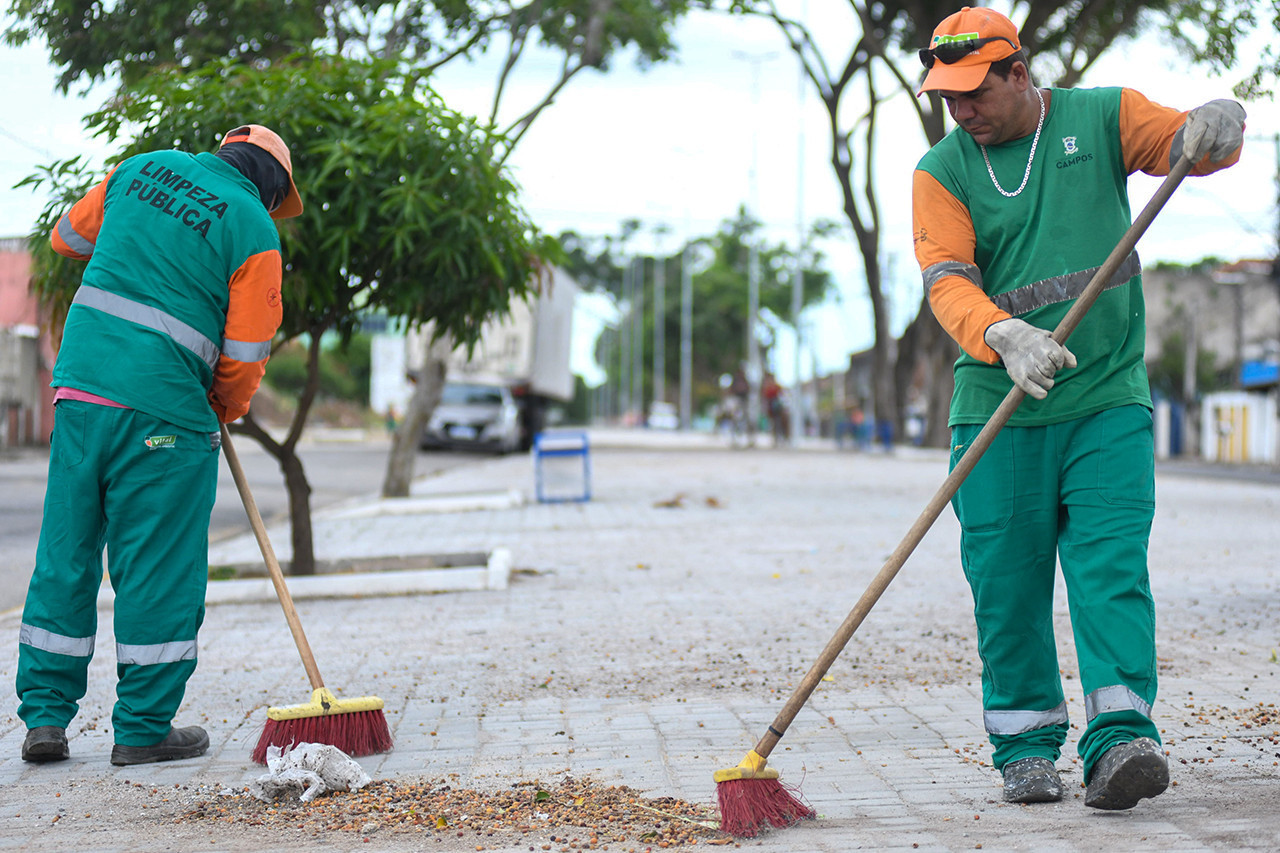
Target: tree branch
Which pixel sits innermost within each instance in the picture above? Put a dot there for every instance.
(522, 124)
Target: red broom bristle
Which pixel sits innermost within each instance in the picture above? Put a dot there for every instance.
(358, 733)
(746, 805)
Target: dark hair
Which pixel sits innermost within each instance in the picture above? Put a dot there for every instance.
(1002, 67)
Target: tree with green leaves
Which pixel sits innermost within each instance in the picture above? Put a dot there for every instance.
(1064, 40)
(1214, 33)
(132, 40)
(407, 212)
(92, 41)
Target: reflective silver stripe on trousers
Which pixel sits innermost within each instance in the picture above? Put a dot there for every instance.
(1116, 697)
(157, 653)
(934, 272)
(248, 351)
(72, 238)
(152, 318)
(1018, 722)
(1061, 288)
(58, 644)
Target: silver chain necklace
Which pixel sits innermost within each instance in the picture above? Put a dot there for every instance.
(1030, 158)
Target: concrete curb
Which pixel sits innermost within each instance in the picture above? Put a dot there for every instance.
(424, 504)
(495, 574)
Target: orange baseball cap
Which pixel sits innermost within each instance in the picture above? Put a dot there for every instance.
(994, 37)
(268, 140)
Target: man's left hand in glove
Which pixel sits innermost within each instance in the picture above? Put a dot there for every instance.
(1216, 129)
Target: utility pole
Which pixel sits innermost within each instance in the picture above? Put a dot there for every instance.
(659, 318)
(797, 276)
(637, 340)
(1275, 260)
(624, 344)
(754, 372)
(686, 338)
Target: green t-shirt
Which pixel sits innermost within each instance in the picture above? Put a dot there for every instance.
(175, 228)
(1036, 252)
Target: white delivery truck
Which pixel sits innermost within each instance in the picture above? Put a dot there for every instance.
(527, 351)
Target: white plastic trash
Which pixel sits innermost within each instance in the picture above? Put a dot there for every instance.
(308, 770)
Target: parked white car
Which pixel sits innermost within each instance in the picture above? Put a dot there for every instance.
(474, 415)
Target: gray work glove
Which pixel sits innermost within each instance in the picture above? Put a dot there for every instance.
(1030, 354)
(1216, 129)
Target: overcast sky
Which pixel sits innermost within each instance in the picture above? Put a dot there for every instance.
(675, 145)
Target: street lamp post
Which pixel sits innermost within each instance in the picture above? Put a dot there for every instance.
(754, 372)
(659, 319)
(686, 338)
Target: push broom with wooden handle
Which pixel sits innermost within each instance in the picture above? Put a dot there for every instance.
(750, 795)
(356, 726)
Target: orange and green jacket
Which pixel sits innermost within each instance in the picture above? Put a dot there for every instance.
(181, 296)
(986, 257)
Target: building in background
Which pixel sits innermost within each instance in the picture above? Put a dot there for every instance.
(26, 353)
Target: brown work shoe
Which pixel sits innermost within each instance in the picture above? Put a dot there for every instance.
(1127, 773)
(45, 743)
(179, 743)
(1031, 780)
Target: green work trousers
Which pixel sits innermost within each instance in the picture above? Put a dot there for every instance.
(1081, 493)
(143, 489)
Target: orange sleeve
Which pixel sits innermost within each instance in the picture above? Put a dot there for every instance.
(77, 231)
(253, 316)
(1147, 134)
(943, 235)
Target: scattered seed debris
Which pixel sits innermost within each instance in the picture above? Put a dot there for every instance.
(576, 814)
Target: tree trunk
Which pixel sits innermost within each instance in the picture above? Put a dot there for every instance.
(943, 352)
(905, 368)
(295, 480)
(926, 352)
(428, 386)
(884, 402)
(285, 454)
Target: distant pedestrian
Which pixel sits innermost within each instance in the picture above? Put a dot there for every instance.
(167, 336)
(1015, 210)
(775, 410)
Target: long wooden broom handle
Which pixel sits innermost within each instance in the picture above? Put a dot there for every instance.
(273, 565)
(966, 464)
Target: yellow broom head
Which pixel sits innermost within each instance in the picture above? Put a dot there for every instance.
(751, 797)
(324, 704)
(751, 767)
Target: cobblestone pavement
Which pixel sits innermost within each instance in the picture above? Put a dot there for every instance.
(649, 636)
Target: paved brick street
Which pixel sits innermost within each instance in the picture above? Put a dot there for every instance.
(647, 638)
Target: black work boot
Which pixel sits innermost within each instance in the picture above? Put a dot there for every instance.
(45, 743)
(179, 743)
(1127, 773)
(1031, 780)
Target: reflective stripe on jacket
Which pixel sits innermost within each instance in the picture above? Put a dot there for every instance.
(181, 295)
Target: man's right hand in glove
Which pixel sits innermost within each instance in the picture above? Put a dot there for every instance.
(1030, 354)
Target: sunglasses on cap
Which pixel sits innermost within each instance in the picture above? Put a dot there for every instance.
(951, 52)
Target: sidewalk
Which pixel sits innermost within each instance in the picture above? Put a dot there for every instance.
(647, 638)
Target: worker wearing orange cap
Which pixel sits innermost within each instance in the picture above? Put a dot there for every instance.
(167, 336)
(1015, 210)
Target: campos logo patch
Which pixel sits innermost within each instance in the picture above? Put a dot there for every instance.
(156, 442)
(1072, 155)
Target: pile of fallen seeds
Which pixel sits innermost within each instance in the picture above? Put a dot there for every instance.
(574, 815)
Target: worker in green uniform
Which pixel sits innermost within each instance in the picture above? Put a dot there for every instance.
(167, 336)
(1014, 212)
